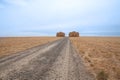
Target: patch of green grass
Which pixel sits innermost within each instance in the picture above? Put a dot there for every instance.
(102, 76)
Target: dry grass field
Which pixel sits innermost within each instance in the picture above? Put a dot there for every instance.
(101, 55)
(10, 45)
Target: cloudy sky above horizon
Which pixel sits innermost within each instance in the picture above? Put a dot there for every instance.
(46, 17)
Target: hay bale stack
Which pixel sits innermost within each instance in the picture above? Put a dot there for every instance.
(60, 34)
(74, 34)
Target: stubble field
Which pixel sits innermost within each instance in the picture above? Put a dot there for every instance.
(101, 55)
(11, 45)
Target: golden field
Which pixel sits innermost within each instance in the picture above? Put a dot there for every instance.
(10, 45)
(101, 55)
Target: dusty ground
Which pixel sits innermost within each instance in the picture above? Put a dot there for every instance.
(100, 54)
(15, 44)
(56, 60)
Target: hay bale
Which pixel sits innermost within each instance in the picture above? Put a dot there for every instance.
(74, 34)
(60, 34)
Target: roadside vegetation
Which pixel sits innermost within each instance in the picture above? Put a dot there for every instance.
(101, 55)
(11, 45)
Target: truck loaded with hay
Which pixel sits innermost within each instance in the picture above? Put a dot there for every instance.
(74, 34)
(60, 34)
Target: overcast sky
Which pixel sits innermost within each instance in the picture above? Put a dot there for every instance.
(46, 17)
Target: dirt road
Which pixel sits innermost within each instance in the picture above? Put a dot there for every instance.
(57, 60)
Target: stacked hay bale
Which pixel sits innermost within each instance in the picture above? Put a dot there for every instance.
(74, 34)
(60, 34)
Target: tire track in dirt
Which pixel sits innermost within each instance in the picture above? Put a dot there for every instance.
(59, 70)
(77, 69)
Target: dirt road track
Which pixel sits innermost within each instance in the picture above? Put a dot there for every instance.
(57, 60)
